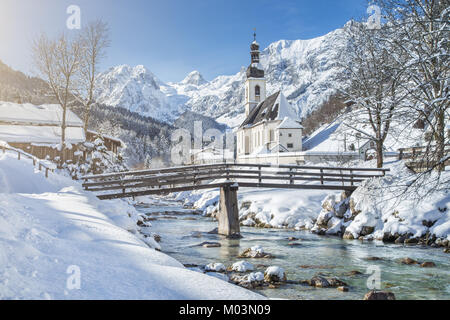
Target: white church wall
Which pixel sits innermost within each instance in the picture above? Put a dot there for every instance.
(292, 137)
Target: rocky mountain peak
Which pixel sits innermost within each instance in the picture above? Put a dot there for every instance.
(194, 78)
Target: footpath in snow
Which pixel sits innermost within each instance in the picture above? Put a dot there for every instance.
(55, 237)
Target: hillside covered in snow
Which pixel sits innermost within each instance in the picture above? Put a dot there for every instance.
(306, 70)
(60, 242)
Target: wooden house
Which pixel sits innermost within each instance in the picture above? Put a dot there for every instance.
(37, 129)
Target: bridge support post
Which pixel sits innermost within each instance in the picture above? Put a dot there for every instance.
(229, 212)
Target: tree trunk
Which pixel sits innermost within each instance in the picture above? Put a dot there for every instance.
(440, 141)
(379, 147)
(86, 117)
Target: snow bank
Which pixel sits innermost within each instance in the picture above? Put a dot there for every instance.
(21, 177)
(50, 236)
(276, 208)
(384, 205)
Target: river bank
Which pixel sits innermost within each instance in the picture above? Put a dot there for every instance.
(383, 209)
(60, 242)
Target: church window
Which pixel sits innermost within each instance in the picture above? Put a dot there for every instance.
(290, 135)
(290, 145)
(257, 91)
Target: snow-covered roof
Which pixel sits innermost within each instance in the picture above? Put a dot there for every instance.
(289, 123)
(29, 114)
(274, 108)
(40, 134)
(353, 130)
(105, 136)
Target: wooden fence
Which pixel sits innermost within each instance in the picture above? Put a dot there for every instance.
(420, 159)
(42, 164)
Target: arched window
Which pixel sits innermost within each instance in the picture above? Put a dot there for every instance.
(257, 91)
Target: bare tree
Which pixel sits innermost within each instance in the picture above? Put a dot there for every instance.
(374, 85)
(94, 39)
(423, 39)
(58, 63)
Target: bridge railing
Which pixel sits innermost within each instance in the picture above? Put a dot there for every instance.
(157, 181)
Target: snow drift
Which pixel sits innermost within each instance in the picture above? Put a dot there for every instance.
(50, 227)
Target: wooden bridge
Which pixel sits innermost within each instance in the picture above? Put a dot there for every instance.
(227, 177)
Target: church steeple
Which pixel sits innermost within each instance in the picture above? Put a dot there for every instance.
(255, 69)
(255, 86)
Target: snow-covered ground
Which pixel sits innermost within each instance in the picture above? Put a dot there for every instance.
(386, 205)
(352, 130)
(51, 232)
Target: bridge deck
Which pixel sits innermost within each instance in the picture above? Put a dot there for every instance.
(169, 180)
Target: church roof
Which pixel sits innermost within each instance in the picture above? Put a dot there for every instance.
(289, 123)
(275, 107)
(255, 71)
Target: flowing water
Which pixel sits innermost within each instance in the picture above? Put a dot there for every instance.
(182, 232)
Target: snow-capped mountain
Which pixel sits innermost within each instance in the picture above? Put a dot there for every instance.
(137, 90)
(306, 70)
(194, 78)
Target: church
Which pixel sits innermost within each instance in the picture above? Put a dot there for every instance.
(271, 126)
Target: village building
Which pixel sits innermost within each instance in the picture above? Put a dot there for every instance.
(37, 131)
(111, 143)
(271, 131)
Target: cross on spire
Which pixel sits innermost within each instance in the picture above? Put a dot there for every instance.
(254, 34)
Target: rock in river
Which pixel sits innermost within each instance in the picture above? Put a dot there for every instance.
(379, 295)
(250, 281)
(242, 266)
(428, 264)
(409, 261)
(211, 245)
(374, 259)
(354, 273)
(343, 289)
(215, 267)
(256, 252)
(323, 282)
(274, 274)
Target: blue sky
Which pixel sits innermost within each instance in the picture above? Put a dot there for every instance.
(174, 37)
